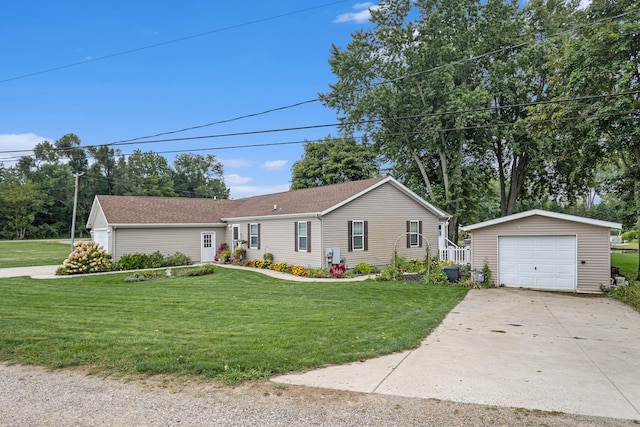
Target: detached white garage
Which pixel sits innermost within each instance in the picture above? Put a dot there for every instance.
(544, 250)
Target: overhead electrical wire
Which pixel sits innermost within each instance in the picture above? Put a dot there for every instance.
(383, 82)
(473, 58)
(168, 42)
(325, 125)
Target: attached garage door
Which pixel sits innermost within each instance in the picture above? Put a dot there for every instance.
(540, 262)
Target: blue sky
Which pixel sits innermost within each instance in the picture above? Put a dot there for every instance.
(238, 70)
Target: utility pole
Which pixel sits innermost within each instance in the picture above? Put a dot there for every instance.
(75, 207)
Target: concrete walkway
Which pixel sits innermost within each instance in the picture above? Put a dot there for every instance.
(516, 348)
(39, 272)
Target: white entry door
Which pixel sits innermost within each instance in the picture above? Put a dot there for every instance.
(207, 246)
(539, 262)
(101, 236)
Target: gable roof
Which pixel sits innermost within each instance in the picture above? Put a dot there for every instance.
(317, 200)
(543, 213)
(140, 210)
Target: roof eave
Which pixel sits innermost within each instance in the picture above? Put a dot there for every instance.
(548, 214)
(274, 216)
(169, 225)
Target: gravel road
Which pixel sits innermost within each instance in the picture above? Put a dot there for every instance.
(31, 396)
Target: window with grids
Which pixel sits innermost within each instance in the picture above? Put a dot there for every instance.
(253, 236)
(414, 229)
(302, 236)
(358, 235)
(206, 240)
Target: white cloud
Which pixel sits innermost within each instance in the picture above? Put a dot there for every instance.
(362, 14)
(235, 163)
(274, 165)
(235, 179)
(242, 191)
(14, 142)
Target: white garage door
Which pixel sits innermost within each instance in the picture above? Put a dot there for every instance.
(540, 262)
(101, 236)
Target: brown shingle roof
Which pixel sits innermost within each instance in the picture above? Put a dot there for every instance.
(175, 210)
(161, 210)
(307, 200)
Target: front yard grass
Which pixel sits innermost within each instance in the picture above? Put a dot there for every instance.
(29, 253)
(231, 326)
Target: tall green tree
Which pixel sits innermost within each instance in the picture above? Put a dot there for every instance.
(149, 174)
(20, 202)
(603, 57)
(196, 175)
(393, 85)
(332, 161)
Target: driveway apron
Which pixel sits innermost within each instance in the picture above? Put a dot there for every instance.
(517, 348)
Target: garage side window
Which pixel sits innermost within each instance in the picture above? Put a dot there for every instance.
(254, 236)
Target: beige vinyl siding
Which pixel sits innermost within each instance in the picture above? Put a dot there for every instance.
(166, 240)
(592, 246)
(100, 221)
(277, 238)
(387, 210)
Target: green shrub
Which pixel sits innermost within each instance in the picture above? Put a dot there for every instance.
(630, 235)
(268, 257)
(143, 276)
(139, 261)
(437, 276)
(486, 276)
(201, 270)
(364, 268)
(628, 294)
(178, 259)
(87, 257)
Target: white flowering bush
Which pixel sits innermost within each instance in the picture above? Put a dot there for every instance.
(87, 257)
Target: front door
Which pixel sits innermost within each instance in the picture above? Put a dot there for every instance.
(207, 246)
(235, 236)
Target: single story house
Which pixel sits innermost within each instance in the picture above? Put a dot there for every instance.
(359, 221)
(538, 249)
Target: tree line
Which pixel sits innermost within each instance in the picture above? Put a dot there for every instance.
(36, 194)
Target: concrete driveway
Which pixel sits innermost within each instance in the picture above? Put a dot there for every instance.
(516, 348)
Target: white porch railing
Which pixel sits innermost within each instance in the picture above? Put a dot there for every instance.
(455, 253)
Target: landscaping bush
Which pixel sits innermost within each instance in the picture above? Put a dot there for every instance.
(143, 276)
(223, 253)
(139, 261)
(364, 268)
(630, 235)
(239, 254)
(337, 270)
(267, 257)
(201, 270)
(178, 259)
(87, 257)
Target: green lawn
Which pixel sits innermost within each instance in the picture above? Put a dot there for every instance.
(628, 263)
(234, 325)
(32, 252)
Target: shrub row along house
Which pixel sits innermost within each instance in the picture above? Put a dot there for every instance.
(359, 221)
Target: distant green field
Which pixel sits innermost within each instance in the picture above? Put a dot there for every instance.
(32, 252)
(628, 263)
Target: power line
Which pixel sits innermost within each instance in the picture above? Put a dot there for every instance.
(165, 43)
(461, 61)
(325, 125)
